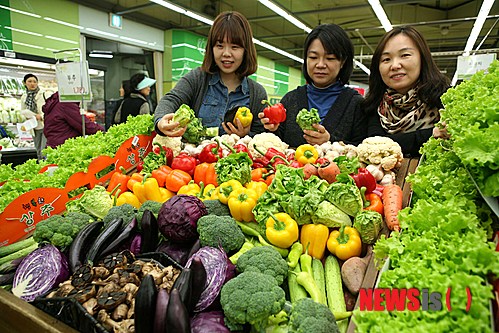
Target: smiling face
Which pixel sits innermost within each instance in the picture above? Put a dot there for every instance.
(322, 68)
(400, 63)
(228, 57)
(31, 83)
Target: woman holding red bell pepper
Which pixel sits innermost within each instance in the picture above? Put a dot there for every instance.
(328, 64)
(221, 84)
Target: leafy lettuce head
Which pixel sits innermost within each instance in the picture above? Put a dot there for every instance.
(346, 196)
(96, 202)
(330, 215)
(368, 223)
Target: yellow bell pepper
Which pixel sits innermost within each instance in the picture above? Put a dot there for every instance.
(129, 198)
(244, 115)
(259, 187)
(147, 189)
(226, 188)
(306, 153)
(190, 189)
(345, 243)
(314, 238)
(281, 230)
(165, 194)
(241, 203)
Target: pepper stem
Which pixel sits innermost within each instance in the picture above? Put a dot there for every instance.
(258, 150)
(278, 224)
(229, 147)
(266, 102)
(343, 238)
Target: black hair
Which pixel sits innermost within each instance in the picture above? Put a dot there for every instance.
(134, 82)
(27, 76)
(335, 41)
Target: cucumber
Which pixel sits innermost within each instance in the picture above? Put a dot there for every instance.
(296, 291)
(334, 290)
(319, 277)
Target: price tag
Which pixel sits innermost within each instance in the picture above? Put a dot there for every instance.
(73, 81)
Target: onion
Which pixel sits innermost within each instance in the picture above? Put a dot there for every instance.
(40, 271)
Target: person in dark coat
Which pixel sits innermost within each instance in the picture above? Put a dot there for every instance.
(328, 64)
(136, 102)
(63, 121)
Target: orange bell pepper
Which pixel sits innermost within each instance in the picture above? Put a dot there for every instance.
(205, 172)
(118, 181)
(176, 179)
(160, 176)
(314, 239)
(375, 203)
(134, 178)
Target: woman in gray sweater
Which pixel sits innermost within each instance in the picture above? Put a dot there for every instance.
(328, 64)
(221, 84)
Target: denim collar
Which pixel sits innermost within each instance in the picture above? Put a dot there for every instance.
(215, 78)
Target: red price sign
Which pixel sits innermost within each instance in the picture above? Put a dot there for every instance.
(20, 217)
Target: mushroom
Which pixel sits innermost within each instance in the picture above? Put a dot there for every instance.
(131, 290)
(101, 272)
(131, 310)
(84, 294)
(127, 325)
(108, 287)
(64, 289)
(90, 306)
(120, 312)
(115, 277)
(154, 270)
(127, 277)
(106, 321)
(111, 300)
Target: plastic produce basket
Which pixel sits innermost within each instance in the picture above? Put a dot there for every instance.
(72, 313)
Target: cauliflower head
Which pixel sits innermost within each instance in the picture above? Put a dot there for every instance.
(380, 150)
(175, 143)
(265, 141)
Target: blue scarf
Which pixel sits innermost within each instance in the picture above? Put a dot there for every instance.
(323, 98)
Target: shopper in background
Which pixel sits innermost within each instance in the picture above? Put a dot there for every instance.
(32, 102)
(63, 121)
(136, 103)
(405, 86)
(221, 84)
(327, 66)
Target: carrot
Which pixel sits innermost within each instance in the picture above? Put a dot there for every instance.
(392, 204)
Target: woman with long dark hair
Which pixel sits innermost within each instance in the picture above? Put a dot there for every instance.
(405, 86)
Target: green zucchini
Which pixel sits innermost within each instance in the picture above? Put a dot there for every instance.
(319, 277)
(334, 290)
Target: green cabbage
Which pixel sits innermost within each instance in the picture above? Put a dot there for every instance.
(368, 223)
(330, 215)
(345, 196)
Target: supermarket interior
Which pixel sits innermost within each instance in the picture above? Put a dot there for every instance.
(295, 197)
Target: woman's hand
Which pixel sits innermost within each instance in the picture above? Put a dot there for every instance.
(240, 130)
(317, 137)
(265, 123)
(169, 127)
(440, 131)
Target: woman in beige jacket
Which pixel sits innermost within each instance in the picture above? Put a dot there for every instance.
(32, 102)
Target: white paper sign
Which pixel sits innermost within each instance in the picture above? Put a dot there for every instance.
(469, 65)
(29, 124)
(23, 134)
(73, 81)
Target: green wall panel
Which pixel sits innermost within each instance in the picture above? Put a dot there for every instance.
(38, 36)
(281, 79)
(5, 34)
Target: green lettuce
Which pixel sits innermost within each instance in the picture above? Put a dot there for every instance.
(346, 196)
(330, 215)
(96, 202)
(305, 119)
(369, 224)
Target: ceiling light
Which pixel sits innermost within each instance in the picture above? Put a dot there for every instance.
(283, 13)
(380, 13)
(62, 39)
(26, 63)
(184, 11)
(62, 22)
(101, 54)
(276, 50)
(24, 31)
(133, 40)
(102, 32)
(20, 11)
(362, 66)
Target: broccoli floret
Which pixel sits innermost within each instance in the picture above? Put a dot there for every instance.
(151, 205)
(263, 259)
(79, 218)
(251, 297)
(221, 231)
(310, 316)
(57, 230)
(126, 212)
(215, 207)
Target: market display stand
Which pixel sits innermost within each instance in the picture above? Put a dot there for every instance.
(19, 316)
(407, 167)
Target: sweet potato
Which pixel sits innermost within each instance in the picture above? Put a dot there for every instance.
(329, 171)
(353, 271)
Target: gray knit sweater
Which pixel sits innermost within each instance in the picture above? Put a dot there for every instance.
(345, 121)
(191, 90)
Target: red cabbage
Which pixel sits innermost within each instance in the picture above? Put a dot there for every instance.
(211, 321)
(215, 263)
(177, 251)
(178, 217)
(40, 271)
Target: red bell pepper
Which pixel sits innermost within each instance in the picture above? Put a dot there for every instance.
(238, 148)
(140, 165)
(275, 113)
(185, 162)
(364, 178)
(167, 151)
(267, 156)
(210, 153)
(321, 161)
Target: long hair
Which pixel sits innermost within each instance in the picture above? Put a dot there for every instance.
(134, 81)
(236, 28)
(335, 41)
(432, 83)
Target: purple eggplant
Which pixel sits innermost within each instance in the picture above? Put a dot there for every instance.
(183, 284)
(161, 308)
(150, 232)
(198, 280)
(177, 316)
(122, 236)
